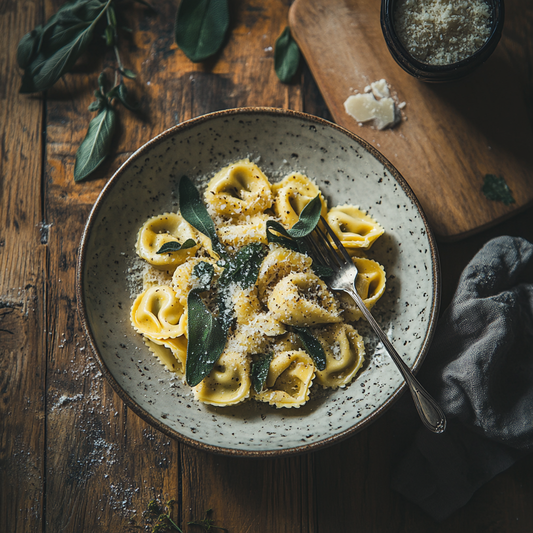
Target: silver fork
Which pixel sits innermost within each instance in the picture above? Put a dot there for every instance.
(343, 279)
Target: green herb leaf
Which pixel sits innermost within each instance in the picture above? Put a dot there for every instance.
(312, 346)
(201, 26)
(28, 46)
(308, 220)
(96, 105)
(64, 39)
(128, 73)
(496, 188)
(109, 36)
(95, 147)
(259, 371)
(204, 273)
(244, 267)
(120, 92)
(322, 271)
(286, 56)
(243, 270)
(284, 239)
(175, 246)
(195, 213)
(207, 340)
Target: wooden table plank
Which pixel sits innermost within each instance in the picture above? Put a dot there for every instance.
(22, 287)
(104, 463)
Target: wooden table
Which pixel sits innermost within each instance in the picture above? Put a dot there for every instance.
(73, 458)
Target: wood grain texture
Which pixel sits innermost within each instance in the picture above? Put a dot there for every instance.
(22, 288)
(451, 135)
(73, 457)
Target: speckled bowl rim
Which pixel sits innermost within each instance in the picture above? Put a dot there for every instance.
(147, 417)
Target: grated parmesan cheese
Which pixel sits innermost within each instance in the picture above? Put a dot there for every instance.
(442, 32)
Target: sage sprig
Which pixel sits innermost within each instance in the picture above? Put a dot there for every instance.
(48, 52)
(286, 56)
(201, 27)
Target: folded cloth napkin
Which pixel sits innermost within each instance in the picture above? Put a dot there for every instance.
(480, 370)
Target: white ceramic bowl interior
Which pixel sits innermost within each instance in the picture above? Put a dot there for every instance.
(347, 170)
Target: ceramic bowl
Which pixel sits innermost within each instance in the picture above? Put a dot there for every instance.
(440, 73)
(348, 170)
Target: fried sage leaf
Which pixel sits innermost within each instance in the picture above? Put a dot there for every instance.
(286, 56)
(312, 346)
(207, 340)
(308, 220)
(201, 26)
(195, 213)
(259, 371)
(204, 273)
(95, 147)
(174, 246)
(244, 267)
(281, 236)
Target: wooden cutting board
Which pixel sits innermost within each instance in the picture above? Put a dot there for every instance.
(451, 135)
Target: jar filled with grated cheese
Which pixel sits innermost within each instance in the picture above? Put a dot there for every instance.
(442, 32)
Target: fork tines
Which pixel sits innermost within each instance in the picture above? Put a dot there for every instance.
(324, 249)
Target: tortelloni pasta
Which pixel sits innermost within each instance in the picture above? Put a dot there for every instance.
(265, 357)
(289, 379)
(159, 230)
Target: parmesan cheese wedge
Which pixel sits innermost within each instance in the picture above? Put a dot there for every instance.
(364, 107)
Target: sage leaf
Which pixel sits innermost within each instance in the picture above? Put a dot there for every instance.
(322, 271)
(195, 213)
(312, 346)
(28, 46)
(174, 246)
(283, 239)
(204, 273)
(64, 39)
(242, 270)
(120, 92)
(308, 220)
(259, 372)
(201, 26)
(207, 340)
(128, 73)
(244, 267)
(95, 147)
(286, 56)
(495, 188)
(96, 105)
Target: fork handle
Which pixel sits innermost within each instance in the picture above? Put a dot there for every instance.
(429, 411)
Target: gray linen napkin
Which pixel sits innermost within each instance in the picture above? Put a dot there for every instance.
(480, 369)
